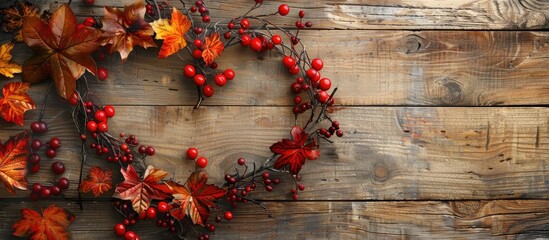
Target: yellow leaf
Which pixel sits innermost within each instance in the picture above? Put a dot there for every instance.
(8, 68)
(212, 48)
(173, 33)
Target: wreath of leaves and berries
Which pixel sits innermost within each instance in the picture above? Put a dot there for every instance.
(63, 51)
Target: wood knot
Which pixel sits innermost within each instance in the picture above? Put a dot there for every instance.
(446, 90)
(381, 173)
(532, 20)
(413, 43)
(466, 208)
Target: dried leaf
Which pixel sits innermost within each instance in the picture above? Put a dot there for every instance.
(98, 181)
(15, 102)
(173, 33)
(13, 162)
(294, 153)
(8, 68)
(212, 48)
(13, 17)
(127, 28)
(196, 198)
(142, 192)
(60, 50)
(52, 224)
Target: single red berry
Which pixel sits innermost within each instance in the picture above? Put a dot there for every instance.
(197, 43)
(269, 188)
(63, 183)
(150, 151)
(220, 80)
(88, 2)
(189, 71)
(45, 192)
(36, 188)
(206, 18)
(58, 167)
(283, 9)
(162, 207)
(91, 126)
(301, 187)
(34, 158)
(297, 99)
(339, 133)
(100, 116)
(296, 88)
(35, 127)
(148, 7)
(35, 168)
(192, 153)
(245, 40)
(201, 162)
(295, 196)
(325, 84)
(311, 73)
(36, 144)
(100, 56)
(256, 44)
(130, 235)
(301, 14)
(265, 175)
(199, 79)
(55, 143)
(119, 229)
(258, 1)
(51, 153)
(89, 21)
(323, 96)
(228, 215)
(43, 127)
(294, 70)
(245, 23)
(308, 24)
(241, 31)
(197, 54)
(227, 35)
(193, 9)
(229, 74)
(55, 190)
(276, 39)
(241, 161)
(208, 91)
(142, 149)
(317, 64)
(230, 25)
(103, 127)
(109, 111)
(288, 61)
(213, 65)
(102, 73)
(151, 213)
(211, 228)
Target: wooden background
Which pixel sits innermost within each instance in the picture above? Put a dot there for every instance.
(443, 105)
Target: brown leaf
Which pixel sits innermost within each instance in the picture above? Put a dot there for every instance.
(13, 17)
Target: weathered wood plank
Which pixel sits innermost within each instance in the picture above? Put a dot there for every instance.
(381, 14)
(430, 68)
(501, 219)
(387, 153)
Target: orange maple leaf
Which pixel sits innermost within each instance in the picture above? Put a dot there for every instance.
(15, 102)
(7, 68)
(13, 17)
(173, 33)
(60, 50)
(98, 181)
(13, 162)
(142, 192)
(212, 48)
(127, 28)
(196, 198)
(50, 225)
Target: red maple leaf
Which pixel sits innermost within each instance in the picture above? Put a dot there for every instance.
(98, 181)
(127, 28)
(212, 48)
(13, 162)
(294, 153)
(50, 225)
(196, 198)
(60, 50)
(142, 192)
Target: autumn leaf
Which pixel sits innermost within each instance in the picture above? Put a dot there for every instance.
(142, 192)
(98, 181)
(52, 224)
(60, 50)
(15, 102)
(127, 28)
(294, 153)
(7, 68)
(196, 198)
(13, 162)
(173, 33)
(212, 48)
(13, 17)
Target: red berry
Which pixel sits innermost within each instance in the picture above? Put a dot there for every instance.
(162, 207)
(51, 153)
(311, 73)
(301, 14)
(241, 161)
(197, 54)
(317, 64)
(36, 144)
(63, 183)
(256, 44)
(208, 91)
(55, 143)
(109, 111)
(227, 35)
(100, 116)
(91, 126)
(205, 18)
(288, 61)
(198, 30)
(35, 127)
(245, 40)
(192, 153)
(230, 25)
(151, 213)
(276, 39)
(55, 190)
(43, 127)
(150, 151)
(58, 167)
(297, 99)
(45, 192)
(88, 2)
(220, 80)
(199, 79)
(294, 70)
(130, 235)
(201, 162)
(89, 21)
(34, 158)
(229, 74)
(198, 43)
(283, 9)
(265, 175)
(245, 23)
(228, 215)
(193, 9)
(308, 24)
(119, 229)
(102, 73)
(189, 71)
(36, 188)
(103, 127)
(323, 96)
(296, 88)
(35, 168)
(325, 84)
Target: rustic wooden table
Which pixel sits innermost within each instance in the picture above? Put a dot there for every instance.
(442, 103)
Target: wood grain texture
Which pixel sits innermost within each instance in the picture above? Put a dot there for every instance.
(430, 68)
(382, 14)
(500, 219)
(387, 153)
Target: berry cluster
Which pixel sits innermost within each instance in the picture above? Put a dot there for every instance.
(200, 80)
(201, 7)
(192, 154)
(159, 215)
